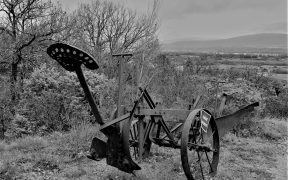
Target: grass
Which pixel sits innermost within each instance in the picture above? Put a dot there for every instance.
(250, 158)
(75, 172)
(258, 156)
(280, 76)
(3, 146)
(77, 140)
(271, 128)
(35, 156)
(28, 143)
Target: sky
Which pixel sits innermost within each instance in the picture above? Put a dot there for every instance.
(209, 19)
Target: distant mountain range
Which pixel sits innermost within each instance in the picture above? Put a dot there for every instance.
(248, 43)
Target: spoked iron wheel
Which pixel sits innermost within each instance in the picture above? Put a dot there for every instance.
(130, 134)
(200, 146)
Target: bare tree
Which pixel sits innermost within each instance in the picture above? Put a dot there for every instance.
(110, 27)
(26, 24)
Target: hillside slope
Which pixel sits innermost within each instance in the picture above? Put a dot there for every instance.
(248, 42)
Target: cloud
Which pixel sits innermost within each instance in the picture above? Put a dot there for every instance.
(278, 27)
(174, 9)
(70, 5)
(209, 18)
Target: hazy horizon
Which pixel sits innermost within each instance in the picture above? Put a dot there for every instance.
(220, 38)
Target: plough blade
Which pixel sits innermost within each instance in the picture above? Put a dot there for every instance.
(116, 155)
(97, 150)
(113, 150)
(226, 123)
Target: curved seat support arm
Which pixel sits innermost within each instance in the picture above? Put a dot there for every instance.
(89, 97)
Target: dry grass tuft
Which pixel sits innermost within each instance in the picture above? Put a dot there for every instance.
(79, 138)
(29, 143)
(75, 172)
(3, 146)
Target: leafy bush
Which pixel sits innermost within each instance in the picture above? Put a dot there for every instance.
(233, 73)
(8, 171)
(5, 108)
(20, 125)
(54, 100)
(277, 106)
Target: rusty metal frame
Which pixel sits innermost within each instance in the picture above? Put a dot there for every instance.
(156, 120)
(115, 147)
(179, 113)
(121, 77)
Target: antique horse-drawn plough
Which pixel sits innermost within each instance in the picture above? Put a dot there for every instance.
(140, 127)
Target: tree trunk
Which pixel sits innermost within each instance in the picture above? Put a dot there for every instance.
(2, 129)
(21, 82)
(13, 85)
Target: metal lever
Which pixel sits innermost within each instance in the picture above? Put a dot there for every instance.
(89, 97)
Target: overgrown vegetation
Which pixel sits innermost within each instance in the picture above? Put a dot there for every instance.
(38, 96)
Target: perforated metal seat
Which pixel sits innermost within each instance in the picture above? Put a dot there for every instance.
(71, 57)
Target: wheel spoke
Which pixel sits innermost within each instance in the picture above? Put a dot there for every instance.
(211, 169)
(199, 159)
(135, 152)
(133, 136)
(134, 130)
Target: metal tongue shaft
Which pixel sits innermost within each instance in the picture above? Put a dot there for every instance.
(114, 147)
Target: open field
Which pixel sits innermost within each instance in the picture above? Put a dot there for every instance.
(277, 69)
(254, 62)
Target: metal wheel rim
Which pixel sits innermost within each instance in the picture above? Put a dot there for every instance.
(185, 142)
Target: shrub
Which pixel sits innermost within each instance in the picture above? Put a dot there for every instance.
(276, 106)
(5, 108)
(54, 100)
(233, 73)
(20, 126)
(8, 171)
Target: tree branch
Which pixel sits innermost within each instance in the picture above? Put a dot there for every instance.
(27, 44)
(3, 29)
